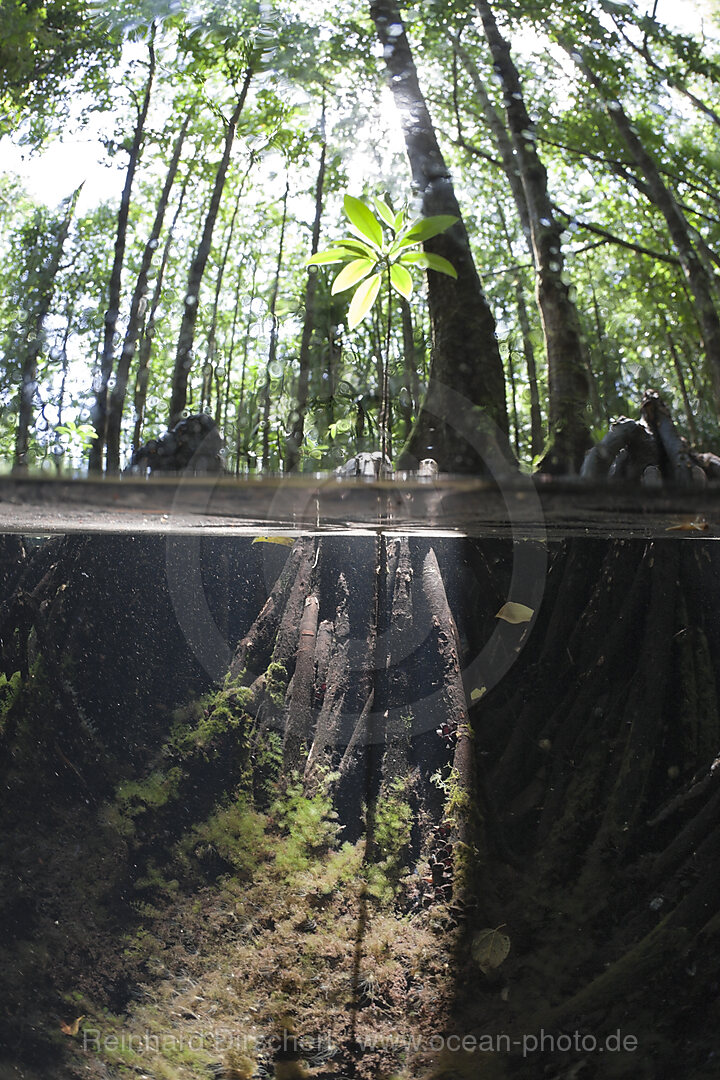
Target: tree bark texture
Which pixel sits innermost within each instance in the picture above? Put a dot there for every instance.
(567, 376)
(501, 138)
(536, 423)
(465, 353)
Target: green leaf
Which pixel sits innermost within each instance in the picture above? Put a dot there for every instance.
(429, 226)
(376, 248)
(385, 212)
(339, 427)
(364, 220)
(363, 299)
(401, 280)
(399, 221)
(332, 255)
(400, 243)
(427, 261)
(351, 274)
(515, 613)
(489, 948)
(359, 247)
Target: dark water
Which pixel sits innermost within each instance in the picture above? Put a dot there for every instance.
(473, 798)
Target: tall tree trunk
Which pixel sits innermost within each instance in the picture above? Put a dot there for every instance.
(501, 138)
(536, 423)
(230, 344)
(692, 426)
(567, 377)
(513, 396)
(137, 304)
(222, 419)
(100, 409)
(205, 388)
(272, 349)
(32, 344)
(663, 199)
(297, 419)
(241, 440)
(186, 337)
(504, 144)
(465, 354)
(69, 315)
(603, 400)
(331, 358)
(212, 332)
(63, 381)
(411, 381)
(385, 412)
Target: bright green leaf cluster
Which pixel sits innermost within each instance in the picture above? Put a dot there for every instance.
(83, 433)
(370, 256)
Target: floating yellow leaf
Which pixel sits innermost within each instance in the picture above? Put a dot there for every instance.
(515, 613)
(489, 948)
(477, 692)
(286, 540)
(72, 1028)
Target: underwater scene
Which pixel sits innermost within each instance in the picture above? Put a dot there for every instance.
(356, 805)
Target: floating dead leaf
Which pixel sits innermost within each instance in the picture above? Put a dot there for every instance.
(515, 613)
(698, 524)
(489, 948)
(73, 1027)
(477, 692)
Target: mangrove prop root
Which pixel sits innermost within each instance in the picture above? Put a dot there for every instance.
(649, 450)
